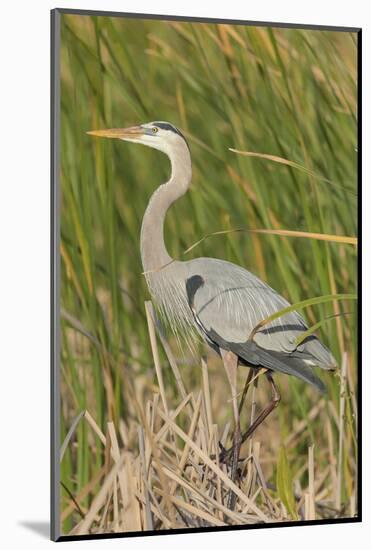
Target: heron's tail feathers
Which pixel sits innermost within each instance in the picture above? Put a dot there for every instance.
(318, 355)
(293, 366)
(280, 362)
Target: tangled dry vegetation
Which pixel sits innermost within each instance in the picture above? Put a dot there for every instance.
(163, 472)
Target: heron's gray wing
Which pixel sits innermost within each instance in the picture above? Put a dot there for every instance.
(228, 302)
(285, 363)
(232, 301)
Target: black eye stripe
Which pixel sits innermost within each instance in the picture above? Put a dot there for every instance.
(171, 128)
(167, 126)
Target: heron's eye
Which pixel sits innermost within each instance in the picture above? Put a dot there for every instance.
(154, 130)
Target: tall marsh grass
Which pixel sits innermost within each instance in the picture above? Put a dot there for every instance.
(140, 419)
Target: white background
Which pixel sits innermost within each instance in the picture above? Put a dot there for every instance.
(24, 273)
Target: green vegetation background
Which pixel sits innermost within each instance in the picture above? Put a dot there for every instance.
(290, 93)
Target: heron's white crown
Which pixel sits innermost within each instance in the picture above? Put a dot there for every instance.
(159, 135)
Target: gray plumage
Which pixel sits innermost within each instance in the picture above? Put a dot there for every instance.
(228, 306)
(221, 301)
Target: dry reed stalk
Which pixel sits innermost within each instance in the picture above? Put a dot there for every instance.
(131, 514)
(116, 525)
(195, 511)
(206, 391)
(168, 352)
(218, 482)
(353, 511)
(341, 429)
(307, 506)
(154, 411)
(155, 509)
(260, 477)
(228, 482)
(124, 433)
(115, 451)
(95, 427)
(311, 491)
(148, 516)
(202, 497)
(173, 415)
(253, 410)
(253, 462)
(104, 518)
(156, 357)
(352, 393)
(100, 498)
(190, 436)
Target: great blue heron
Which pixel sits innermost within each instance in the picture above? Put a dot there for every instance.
(222, 301)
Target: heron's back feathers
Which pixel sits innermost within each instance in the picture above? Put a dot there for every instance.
(252, 354)
(228, 302)
(225, 303)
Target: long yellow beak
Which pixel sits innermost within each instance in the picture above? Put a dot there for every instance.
(118, 133)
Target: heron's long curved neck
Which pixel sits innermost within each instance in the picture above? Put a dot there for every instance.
(152, 243)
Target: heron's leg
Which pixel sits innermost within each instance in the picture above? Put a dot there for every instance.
(230, 361)
(276, 397)
(250, 377)
(245, 389)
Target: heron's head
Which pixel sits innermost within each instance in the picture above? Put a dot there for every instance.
(159, 135)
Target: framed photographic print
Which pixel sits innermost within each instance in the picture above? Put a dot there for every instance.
(205, 359)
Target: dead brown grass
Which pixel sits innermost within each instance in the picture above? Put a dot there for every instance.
(167, 474)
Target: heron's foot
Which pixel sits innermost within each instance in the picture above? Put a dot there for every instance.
(225, 454)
